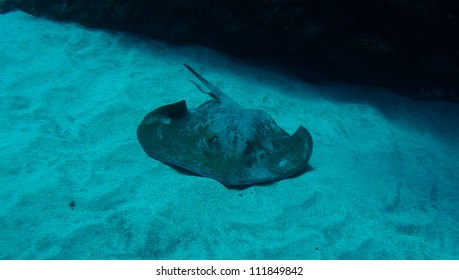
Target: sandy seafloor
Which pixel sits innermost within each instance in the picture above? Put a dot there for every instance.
(383, 184)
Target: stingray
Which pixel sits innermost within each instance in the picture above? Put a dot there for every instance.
(223, 141)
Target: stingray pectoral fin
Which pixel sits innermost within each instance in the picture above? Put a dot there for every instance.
(173, 111)
(293, 153)
(287, 156)
(157, 131)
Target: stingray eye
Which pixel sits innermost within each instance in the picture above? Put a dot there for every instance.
(212, 139)
(248, 148)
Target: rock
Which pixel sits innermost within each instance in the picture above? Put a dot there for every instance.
(388, 43)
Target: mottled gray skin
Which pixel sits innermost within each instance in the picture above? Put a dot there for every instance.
(223, 141)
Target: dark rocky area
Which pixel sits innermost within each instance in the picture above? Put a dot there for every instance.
(411, 46)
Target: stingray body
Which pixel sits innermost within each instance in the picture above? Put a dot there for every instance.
(223, 141)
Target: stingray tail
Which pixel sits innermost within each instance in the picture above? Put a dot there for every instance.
(215, 93)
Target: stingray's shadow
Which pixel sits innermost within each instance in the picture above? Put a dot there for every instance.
(183, 171)
(306, 169)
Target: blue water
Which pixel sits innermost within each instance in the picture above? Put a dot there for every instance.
(75, 183)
